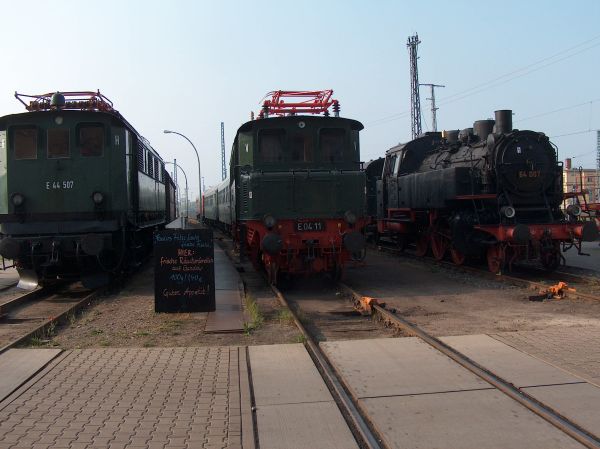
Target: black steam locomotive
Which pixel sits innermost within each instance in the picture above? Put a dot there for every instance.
(488, 190)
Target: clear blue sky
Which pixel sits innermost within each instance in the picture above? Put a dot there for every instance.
(188, 65)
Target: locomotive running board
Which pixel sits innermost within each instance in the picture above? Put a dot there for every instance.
(28, 279)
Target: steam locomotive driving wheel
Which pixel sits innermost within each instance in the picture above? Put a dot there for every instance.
(439, 245)
(551, 256)
(422, 244)
(496, 258)
(458, 257)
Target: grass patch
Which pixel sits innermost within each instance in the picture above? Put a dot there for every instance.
(256, 317)
(284, 316)
(105, 343)
(141, 333)
(300, 339)
(71, 318)
(37, 341)
(148, 344)
(50, 329)
(96, 332)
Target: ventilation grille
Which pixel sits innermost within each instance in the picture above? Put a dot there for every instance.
(140, 156)
(245, 198)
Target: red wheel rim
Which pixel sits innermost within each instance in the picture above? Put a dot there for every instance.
(495, 258)
(422, 245)
(457, 257)
(438, 246)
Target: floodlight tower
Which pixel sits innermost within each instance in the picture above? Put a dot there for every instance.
(223, 166)
(415, 101)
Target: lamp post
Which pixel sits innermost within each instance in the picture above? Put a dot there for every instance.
(187, 201)
(166, 131)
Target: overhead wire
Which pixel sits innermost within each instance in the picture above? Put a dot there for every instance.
(566, 108)
(500, 79)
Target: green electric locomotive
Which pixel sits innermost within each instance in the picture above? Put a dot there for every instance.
(80, 189)
(295, 200)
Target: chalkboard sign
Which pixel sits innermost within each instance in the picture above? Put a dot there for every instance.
(184, 271)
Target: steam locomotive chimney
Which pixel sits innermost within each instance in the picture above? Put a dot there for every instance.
(568, 163)
(483, 128)
(503, 121)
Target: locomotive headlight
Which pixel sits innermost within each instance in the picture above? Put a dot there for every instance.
(269, 221)
(508, 211)
(98, 197)
(58, 120)
(350, 217)
(574, 210)
(17, 199)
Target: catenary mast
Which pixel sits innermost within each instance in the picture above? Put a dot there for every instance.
(415, 101)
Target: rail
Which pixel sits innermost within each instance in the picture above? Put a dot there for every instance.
(575, 431)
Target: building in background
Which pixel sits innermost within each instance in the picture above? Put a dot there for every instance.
(584, 180)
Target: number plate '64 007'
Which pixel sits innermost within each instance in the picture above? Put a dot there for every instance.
(310, 226)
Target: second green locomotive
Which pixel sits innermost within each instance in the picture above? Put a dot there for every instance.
(295, 200)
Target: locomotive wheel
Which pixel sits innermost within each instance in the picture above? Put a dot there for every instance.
(496, 258)
(551, 258)
(439, 245)
(458, 258)
(401, 242)
(422, 245)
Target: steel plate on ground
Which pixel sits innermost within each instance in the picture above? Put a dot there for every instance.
(226, 276)
(398, 366)
(18, 365)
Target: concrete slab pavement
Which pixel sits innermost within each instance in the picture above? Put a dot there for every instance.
(294, 408)
(418, 398)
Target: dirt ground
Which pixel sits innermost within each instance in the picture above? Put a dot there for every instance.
(126, 318)
(446, 302)
(443, 302)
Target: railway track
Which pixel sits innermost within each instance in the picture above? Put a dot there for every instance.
(588, 437)
(359, 420)
(355, 418)
(363, 426)
(36, 313)
(523, 276)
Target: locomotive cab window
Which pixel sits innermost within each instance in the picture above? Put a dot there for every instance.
(390, 164)
(91, 140)
(58, 143)
(301, 147)
(332, 144)
(25, 143)
(270, 145)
